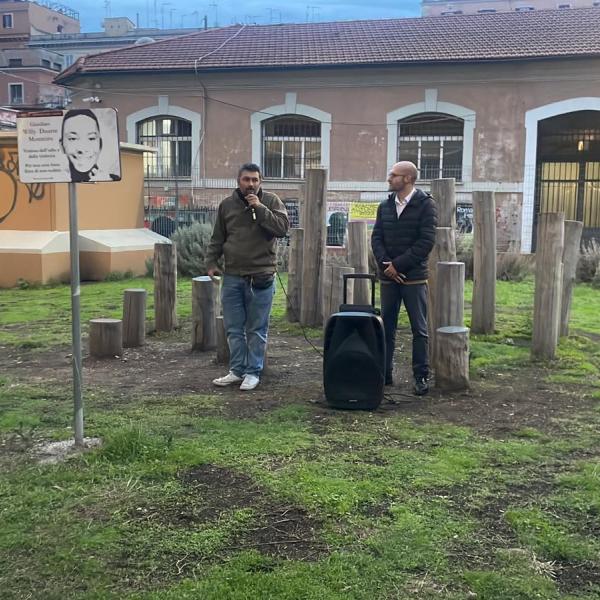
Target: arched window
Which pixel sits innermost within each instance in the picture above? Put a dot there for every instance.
(434, 142)
(290, 145)
(172, 137)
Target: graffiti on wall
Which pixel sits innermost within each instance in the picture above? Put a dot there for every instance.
(10, 184)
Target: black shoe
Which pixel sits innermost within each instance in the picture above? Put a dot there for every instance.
(421, 386)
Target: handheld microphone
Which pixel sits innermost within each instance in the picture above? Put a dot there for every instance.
(251, 191)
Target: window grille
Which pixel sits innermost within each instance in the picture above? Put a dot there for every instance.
(172, 137)
(291, 145)
(7, 21)
(433, 142)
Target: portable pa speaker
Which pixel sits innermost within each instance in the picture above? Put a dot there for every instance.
(354, 356)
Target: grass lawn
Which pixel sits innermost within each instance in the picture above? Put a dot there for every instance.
(491, 495)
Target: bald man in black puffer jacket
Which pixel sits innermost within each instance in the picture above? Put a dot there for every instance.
(402, 239)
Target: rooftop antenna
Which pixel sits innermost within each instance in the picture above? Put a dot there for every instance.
(162, 13)
(107, 8)
(216, 7)
(272, 11)
(310, 13)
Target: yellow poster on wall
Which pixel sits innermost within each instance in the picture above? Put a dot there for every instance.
(363, 211)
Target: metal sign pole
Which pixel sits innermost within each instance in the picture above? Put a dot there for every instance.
(75, 315)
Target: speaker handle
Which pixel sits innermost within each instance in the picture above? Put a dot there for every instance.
(359, 276)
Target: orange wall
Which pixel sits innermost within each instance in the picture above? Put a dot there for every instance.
(115, 205)
(22, 207)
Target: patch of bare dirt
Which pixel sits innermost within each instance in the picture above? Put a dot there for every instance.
(165, 366)
(211, 492)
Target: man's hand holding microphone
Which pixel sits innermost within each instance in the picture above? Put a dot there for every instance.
(253, 201)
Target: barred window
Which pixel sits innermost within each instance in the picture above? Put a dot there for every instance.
(172, 137)
(434, 142)
(290, 145)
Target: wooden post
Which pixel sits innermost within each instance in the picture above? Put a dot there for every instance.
(443, 250)
(315, 234)
(204, 311)
(106, 338)
(452, 367)
(222, 345)
(333, 289)
(134, 317)
(548, 285)
(358, 258)
(573, 230)
(165, 286)
(449, 299)
(483, 319)
(443, 192)
(294, 275)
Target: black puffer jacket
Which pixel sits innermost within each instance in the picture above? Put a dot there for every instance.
(407, 240)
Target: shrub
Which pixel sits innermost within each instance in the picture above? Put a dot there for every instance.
(464, 252)
(283, 255)
(149, 262)
(513, 266)
(589, 261)
(119, 275)
(192, 244)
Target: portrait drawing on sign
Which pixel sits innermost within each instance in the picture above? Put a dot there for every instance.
(81, 141)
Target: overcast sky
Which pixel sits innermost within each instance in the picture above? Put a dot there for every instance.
(178, 13)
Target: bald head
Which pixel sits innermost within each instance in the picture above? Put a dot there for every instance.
(407, 168)
(401, 178)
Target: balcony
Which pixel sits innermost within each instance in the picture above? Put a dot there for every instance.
(51, 101)
(37, 102)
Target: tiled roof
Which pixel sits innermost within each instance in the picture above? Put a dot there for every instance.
(460, 38)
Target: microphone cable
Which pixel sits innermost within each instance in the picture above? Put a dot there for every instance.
(296, 316)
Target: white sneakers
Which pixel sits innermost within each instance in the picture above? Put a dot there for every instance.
(249, 381)
(228, 379)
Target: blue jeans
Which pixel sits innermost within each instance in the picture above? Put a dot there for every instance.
(246, 311)
(415, 301)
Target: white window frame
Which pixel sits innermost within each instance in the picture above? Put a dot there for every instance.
(532, 117)
(165, 109)
(12, 21)
(14, 85)
(431, 104)
(159, 158)
(433, 138)
(291, 107)
(283, 139)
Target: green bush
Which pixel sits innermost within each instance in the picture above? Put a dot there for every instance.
(589, 261)
(464, 252)
(149, 263)
(513, 266)
(119, 275)
(192, 244)
(283, 256)
(596, 279)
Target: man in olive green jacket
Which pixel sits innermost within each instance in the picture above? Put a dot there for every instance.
(247, 224)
